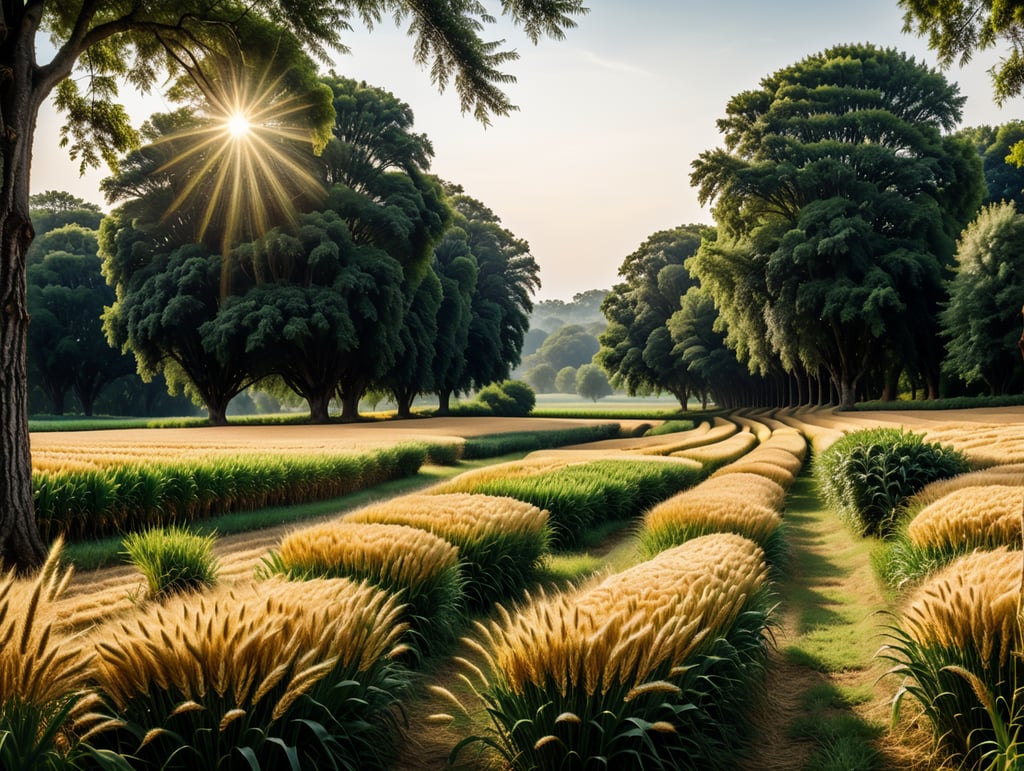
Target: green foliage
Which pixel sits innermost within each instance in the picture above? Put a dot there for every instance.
(507, 399)
(957, 30)
(982, 320)
(99, 502)
(493, 445)
(867, 476)
(847, 271)
(637, 347)
(568, 346)
(565, 380)
(173, 559)
(592, 382)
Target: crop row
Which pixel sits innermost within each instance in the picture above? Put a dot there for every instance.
(95, 503)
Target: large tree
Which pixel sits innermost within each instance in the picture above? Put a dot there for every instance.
(138, 43)
(636, 349)
(840, 196)
(507, 277)
(1004, 179)
(982, 318)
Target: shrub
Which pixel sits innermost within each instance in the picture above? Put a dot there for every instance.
(421, 568)
(501, 541)
(498, 402)
(957, 648)
(652, 668)
(522, 394)
(173, 559)
(867, 476)
(271, 675)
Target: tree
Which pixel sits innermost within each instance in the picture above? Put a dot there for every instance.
(592, 382)
(139, 43)
(955, 29)
(1003, 178)
(568, 346)
(565, 380)
(636, 348)
(982, 318)
(67, 349)
(542, 378)
(412, 372)
(56, 208)
(840, 198)
(457, 270)
(700, 345)
(507, 276)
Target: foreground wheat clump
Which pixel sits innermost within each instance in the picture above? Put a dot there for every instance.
(501, 541)
(286, 674)
(43, 673)
(420, 567)
(957, 646)
(649, 669)
(970, 518)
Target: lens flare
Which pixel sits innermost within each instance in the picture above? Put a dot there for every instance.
(238, 125)
(248, 162)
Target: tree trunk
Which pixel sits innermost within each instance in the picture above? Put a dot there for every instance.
(21, 546)
(444, 401)
(350, 407)
(217, 413)
(847, 394)
(319, 408)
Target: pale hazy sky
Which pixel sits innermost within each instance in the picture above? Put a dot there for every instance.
(598, 156)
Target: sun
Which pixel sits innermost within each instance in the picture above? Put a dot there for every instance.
(238, 125)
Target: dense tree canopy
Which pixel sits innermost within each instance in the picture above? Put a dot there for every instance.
(838, 200)
(982, 319)
(637, 347)
(1004, 179)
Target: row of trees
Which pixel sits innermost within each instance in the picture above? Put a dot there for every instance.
(389, 281)
(839, 199)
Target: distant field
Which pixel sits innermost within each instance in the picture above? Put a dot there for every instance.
(140, 444)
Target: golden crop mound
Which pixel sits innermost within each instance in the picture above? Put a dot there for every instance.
(971, 517)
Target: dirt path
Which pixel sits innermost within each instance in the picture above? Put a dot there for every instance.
(827, 704)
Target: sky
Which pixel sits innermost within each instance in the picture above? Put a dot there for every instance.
(597, 158)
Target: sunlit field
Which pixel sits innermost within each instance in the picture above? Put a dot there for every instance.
(590, 669)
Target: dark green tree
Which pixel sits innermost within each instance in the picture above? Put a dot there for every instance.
(982, 320)
(163, 300)
(636, 348)
(838, 200)
(456, 267)
(67, 349)
(139, 44)
(507, 277)
(700, 345)
(412, 372)
(1004, 179)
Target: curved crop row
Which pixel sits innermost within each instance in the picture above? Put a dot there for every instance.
(580, 495)
(744, 497)
(652, 668)
(501, 540)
